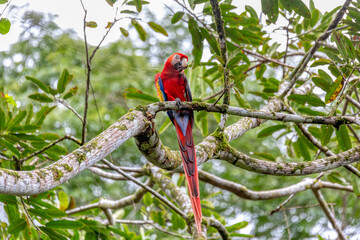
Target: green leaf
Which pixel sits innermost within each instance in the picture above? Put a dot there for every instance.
(63, 81)
(335, 177)
(30, 113)
(251, 11)
(28, 128)
(207, 204)
(315, 15)
(211, 40)
(4, 26)
(200, 1)
(141, 96)
(354, 180)
(343, 138)
(39, 83)
(64, 200)
(165, 125)
(65, 224)
(157, 217)
(298, 6)
(91, 24)
(16, 120)
(8, 199)
(325, 76)
(3, 1)
(177, 221)
(40, 116)
(138, 5)
(2, 119)
(304, 151)
(124, 32)
(40, 213)
(334, 90)
(41, 97)
(17, 226)
(148, 199)
(270, 130)
(339, 44)
(71, 92)
(53, 235)
(111, 2)
(211, 195)
(201, 122)
(197, 50)
(241, 235)
(320, 62)
(326, 134)
(177, 17)
(49, 136)
(266, 156)
(140, 30)
(309, 111)
(333, 56)
(349, 47)
(157, 28)
(271, 9)
(237, 226)
(321, 83)
(310, 99)
(10, 147)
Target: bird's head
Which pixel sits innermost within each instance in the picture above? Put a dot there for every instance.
(178, 61)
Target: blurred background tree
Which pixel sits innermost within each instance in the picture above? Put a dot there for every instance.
(122, 77)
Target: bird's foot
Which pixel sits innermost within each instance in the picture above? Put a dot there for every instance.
(178, 103)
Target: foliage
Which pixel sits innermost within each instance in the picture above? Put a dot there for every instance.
(43, 94)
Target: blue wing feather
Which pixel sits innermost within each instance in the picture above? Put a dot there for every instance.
(161, 86)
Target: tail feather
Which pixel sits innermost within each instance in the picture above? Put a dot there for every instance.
(188, 156)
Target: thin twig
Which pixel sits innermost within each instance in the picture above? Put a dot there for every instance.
(156, 194)
(287, 225)
(320, 198)
(88, 74)
(47, 147)
(28, 215)
(5, 8)
(302, 65)
(65, 104)
(278, 208)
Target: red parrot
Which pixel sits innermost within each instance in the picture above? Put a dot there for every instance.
(172, 85)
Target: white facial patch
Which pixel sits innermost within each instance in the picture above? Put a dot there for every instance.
(175, 59)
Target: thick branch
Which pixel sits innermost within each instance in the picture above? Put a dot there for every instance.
(41, 180)
(245, 193)
(268, 115)
(289, 168)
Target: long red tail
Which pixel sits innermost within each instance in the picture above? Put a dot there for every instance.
(188, 156)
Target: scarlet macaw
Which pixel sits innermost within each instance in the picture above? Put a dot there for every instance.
(172, 85)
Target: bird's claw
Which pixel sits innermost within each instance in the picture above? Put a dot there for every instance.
(178, 103)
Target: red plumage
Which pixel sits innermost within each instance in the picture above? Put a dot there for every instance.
(172, 84)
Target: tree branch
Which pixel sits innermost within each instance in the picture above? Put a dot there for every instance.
(245, 193)
(328, 213)
(289, 168)
(42, 180)
(114, 204)
(300, 68)
(335, 121)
